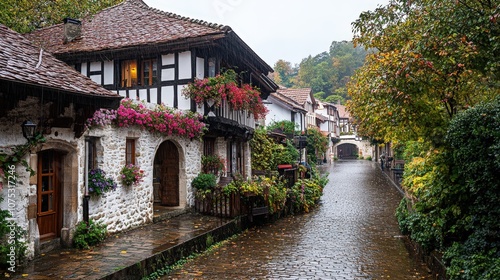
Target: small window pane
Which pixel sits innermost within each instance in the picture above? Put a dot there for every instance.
(129, 73)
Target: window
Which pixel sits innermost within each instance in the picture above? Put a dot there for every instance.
(208, 146)
(92, 153)
(149, 72)
(129, 73)
(211, 67)
(130, 151)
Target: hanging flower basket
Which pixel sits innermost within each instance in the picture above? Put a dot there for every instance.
(131, 175)
(99, 183)
(215, 90)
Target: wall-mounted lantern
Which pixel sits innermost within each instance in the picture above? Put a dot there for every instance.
(29, 129)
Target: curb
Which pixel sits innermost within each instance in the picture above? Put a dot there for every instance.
(171, 255)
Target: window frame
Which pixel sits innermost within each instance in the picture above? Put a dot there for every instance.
(130, 151)
(154, 73)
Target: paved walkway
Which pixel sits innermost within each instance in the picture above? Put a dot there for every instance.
(121, 256)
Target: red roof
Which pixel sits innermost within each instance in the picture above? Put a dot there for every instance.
(22, 62)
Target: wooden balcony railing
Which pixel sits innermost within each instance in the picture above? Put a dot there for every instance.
(225, 111)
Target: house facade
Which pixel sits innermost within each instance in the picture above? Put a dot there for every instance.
(149, 56)
(283, 108)
(36, 87)
(328, 121)
(305, 99)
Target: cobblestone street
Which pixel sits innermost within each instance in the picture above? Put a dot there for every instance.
(352, 235)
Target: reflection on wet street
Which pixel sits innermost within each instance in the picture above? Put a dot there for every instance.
(353, 234)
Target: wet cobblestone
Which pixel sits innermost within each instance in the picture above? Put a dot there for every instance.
(353, 234)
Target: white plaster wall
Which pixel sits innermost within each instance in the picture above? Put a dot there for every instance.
(277, 113)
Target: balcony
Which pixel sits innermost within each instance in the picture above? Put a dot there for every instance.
(224, 121)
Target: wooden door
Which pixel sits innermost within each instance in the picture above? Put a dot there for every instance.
(48, 196)
(167, 161)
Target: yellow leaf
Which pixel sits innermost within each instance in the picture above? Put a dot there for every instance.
(123, 252)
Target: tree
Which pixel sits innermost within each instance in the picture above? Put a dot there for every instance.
(27, 15)
(284, 73)
(429, 66)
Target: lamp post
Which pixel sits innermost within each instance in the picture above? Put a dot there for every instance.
(29, 129)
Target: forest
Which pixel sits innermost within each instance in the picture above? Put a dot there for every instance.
(326, 73)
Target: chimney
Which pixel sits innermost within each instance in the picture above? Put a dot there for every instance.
(72, 29)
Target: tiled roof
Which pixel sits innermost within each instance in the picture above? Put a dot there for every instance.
(129, 24)
(287, 100)
(321, 117)
(22, 62)
(343, 113)
(299, 95)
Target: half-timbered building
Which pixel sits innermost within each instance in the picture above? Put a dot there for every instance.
(150, 56)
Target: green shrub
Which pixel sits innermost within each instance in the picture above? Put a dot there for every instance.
(369, 158)
(456, 193)
(89, 234)
(204, 182)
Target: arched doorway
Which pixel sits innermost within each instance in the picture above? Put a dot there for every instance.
(347, 151)
(166, 175)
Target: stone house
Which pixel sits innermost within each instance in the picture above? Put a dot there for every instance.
(150, 56)
(36, 87)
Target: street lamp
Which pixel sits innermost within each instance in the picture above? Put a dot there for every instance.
(29, 129)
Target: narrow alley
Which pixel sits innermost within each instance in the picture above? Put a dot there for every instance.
(353, 234)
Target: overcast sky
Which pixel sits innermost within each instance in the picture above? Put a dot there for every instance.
(278, 29)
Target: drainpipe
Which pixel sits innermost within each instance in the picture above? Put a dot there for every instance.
(86, 196)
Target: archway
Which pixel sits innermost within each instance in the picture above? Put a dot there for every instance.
(166, 175)
(347, 151)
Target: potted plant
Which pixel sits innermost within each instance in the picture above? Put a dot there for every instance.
(99, 183)
(204, 184)
(212, 164)
(131, 174)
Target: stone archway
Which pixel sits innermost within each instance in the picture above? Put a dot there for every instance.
(347, 151)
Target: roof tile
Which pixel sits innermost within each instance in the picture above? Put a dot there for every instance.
(299, 95)
(22, 62)
(130, 23)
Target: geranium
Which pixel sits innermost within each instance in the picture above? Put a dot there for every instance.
(213, 164)
(99, 183)
(131, 174)
(161, 119)
(225, 87)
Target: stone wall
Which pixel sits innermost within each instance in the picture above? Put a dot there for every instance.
(131, 206)
(121, 209)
